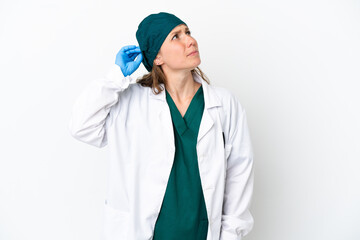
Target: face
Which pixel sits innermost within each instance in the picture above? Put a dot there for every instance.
(175, 50)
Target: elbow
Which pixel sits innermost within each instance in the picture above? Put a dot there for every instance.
(93, 136)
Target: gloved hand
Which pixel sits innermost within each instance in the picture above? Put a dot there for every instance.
(125, 59)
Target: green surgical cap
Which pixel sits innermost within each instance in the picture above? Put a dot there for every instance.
(152, 32)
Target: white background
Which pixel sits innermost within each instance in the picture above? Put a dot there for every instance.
(293, 64)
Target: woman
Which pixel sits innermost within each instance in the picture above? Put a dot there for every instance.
(181, 160)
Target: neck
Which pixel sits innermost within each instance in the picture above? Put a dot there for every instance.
(181, 86)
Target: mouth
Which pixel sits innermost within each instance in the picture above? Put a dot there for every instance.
(193, 53)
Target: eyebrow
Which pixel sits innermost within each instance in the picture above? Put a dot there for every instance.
(186, 28)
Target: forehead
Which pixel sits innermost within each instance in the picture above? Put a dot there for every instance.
(179, 27)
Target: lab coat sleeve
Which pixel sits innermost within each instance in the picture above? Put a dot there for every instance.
(237, 221)
(92, 107)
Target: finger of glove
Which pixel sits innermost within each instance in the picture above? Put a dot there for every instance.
(127, 57)
(131, 53)
(132, 66)
(128, 47)
(136, 51)
(121, 57)
(138, 59)
(133, 56)
(123, 53)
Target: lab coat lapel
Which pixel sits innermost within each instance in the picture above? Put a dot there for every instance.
(162, 110)
(210, 98)
(211, 101)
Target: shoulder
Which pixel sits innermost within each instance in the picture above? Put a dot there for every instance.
(134, 90)
(229, 100)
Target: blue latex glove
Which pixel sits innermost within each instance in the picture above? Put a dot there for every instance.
(125, 59)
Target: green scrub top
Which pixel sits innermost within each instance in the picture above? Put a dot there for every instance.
(183, 213)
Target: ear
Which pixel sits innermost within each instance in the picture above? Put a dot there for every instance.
(158, 60)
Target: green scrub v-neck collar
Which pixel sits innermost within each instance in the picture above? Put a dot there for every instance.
(182, 123)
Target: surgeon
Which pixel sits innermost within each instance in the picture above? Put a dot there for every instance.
(181, 162)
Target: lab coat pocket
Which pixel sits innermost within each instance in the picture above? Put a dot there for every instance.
(115, 223)
(227, 154)
(227, 150)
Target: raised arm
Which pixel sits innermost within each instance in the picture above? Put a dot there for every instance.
(91, 109)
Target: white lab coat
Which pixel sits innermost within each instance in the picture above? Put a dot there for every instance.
(136, 126)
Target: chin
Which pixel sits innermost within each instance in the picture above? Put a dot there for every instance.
(196, 65)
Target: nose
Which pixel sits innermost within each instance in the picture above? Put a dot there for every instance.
(190, 41)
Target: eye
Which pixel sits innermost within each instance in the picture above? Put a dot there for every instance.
(186, 32)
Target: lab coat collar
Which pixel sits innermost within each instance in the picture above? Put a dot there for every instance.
(210, 97)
